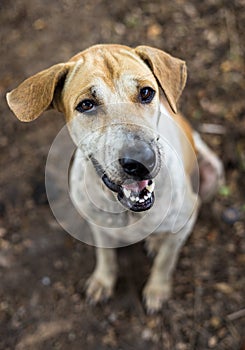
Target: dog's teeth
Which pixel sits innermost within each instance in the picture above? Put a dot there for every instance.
(150, 187)
(149, 195)
(137, 199)
(141, 200)
(146, 197)
(127, 192)
(132, 198)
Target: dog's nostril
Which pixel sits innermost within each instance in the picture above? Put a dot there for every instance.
(132, 167)
(138, 161)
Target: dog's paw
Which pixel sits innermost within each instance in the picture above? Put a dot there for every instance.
(155, 295)
(98, 291)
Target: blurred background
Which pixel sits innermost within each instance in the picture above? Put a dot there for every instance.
(42, 268)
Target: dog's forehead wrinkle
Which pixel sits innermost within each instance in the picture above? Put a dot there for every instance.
(75, 70)
(115, 63)
(110, 77)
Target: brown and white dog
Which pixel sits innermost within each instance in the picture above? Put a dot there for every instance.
(136, 152)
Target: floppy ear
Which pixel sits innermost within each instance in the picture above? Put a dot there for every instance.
(169, 71)
(36, 93)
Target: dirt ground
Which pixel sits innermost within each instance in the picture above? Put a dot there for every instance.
(43, 269)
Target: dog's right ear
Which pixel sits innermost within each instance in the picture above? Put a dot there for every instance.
(168, 70)
(32, 97)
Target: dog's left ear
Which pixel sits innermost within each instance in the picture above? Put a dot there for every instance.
(32, 97)
(169, 71)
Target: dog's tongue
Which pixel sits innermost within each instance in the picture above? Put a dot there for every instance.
(136, 186)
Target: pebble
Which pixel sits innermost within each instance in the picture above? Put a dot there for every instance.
(212, 342)
(4, 306)
(230, 216)
(147, 334)
(46, 281)
(154, 30)
(120, 28)
(58, 264)
(39, 24)
(223, 288)
(181, 346)
(3, 232)
(215, 321)
(112, 317)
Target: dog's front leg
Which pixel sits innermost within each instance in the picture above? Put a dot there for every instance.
(100, 285)
(159, 285)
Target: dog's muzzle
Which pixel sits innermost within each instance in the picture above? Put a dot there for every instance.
(138, 163)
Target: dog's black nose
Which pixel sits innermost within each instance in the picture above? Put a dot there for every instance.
(138, 160)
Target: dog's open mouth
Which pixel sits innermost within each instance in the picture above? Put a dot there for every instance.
(134, 195)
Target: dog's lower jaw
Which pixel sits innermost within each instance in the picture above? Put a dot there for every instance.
(135, 195)
(141, 199)
(137, 202)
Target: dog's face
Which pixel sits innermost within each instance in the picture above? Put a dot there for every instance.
(110, 95)
(112, 105)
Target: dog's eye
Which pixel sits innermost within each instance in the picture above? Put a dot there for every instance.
(146, 94)
(85, 106)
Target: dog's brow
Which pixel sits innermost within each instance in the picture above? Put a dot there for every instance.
(142, 81)
(88, 90)
(93, 91)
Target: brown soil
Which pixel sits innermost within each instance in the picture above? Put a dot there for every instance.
(43, 269)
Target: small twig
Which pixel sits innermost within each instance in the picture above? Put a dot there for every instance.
(235, 315)
(197, 329)
(209, 128)
(234, 332)
(230, 19)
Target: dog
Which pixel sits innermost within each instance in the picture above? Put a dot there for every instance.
(137, 153)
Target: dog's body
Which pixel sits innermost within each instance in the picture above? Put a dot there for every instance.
(120, 105)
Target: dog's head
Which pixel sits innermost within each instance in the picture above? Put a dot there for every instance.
(110, 95)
